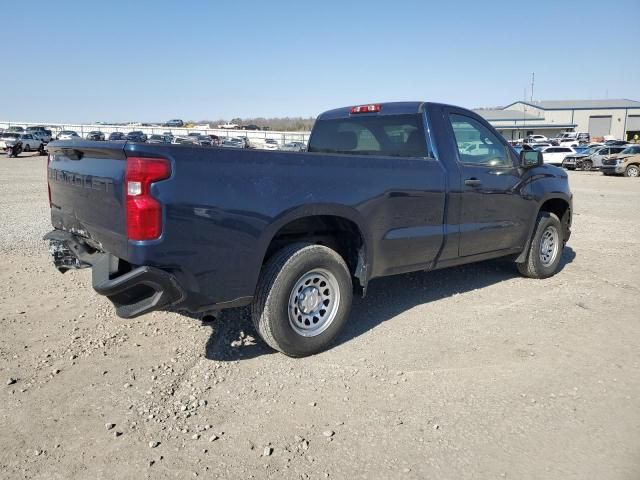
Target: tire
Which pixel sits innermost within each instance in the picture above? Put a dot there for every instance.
(587, 165)
(543, 258)
(632, 171)
(27, 148)
(279, 315)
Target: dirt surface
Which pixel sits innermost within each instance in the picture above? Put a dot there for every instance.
(471, 372)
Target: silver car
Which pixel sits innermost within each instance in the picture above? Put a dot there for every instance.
(593, 160)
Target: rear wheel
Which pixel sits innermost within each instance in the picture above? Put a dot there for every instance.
(303, 299)
(546, 247)
(632, 171)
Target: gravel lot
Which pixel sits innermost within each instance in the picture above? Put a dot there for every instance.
(471, 372)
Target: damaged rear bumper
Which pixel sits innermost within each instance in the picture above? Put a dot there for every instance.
(133, 291)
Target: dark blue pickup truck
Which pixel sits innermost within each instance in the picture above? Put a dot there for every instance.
(383, 189)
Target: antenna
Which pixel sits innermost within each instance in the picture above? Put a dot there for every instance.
(533, 81)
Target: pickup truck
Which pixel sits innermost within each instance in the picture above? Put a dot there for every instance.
(383, 189)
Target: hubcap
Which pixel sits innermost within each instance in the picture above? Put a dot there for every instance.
(313, 302)
(549, 245)
(633, 171)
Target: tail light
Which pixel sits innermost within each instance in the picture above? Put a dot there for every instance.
(144, 212)
(366, 108)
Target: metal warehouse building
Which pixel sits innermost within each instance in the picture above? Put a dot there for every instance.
(619, 118)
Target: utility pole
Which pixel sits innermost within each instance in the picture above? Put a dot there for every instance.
(533, 80)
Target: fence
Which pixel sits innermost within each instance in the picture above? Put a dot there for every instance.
(256, 136)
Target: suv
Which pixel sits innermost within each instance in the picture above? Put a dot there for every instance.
(41, 133)
(174, 123)
(591, 159)
(556, 155)
(626, 163)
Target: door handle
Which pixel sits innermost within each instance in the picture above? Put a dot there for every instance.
(473, 182)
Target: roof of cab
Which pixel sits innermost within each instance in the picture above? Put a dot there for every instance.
(389, 108)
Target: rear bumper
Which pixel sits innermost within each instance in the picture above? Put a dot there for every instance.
(133, 291)
(136, 292)
(612, 169)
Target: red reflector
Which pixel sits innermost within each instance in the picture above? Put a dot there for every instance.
(366, 108)
(144, 213)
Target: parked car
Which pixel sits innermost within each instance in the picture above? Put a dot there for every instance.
(184, 141)
(95, 135)
(575, 161)
(117, 136)
(29, 142)
(251, 127)
(136, 136)
(556, 155)
(204, 141)
(8, 136)
(270, 144)
(234, 142)
(626, 163)
(536, 139)
(15, 129)
(174, 123)
(573, 139)
(294, 147)
(159, 139)
(539, 145)
(212, 229)
(40, 132)
(67, 135)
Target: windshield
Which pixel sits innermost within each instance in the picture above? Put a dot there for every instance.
(391, 135)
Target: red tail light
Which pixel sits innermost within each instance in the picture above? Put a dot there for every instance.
(144, 213)
(366, 108)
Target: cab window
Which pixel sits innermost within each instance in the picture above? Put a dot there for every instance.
(477, 145)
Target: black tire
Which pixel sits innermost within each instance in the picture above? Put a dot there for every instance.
(632, 171)
(533, 266)
(587, 165)
(27, 148)
(270, 307)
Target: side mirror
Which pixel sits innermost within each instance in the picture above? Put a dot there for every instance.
(530, 158)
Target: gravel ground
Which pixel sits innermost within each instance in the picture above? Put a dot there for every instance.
(471, 372)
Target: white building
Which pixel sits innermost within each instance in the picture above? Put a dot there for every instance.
(619, 118)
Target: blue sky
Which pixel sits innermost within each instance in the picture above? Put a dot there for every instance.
(151, 61)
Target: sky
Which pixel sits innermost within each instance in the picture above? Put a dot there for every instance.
(77, 61)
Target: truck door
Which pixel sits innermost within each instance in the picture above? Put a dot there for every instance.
(494, 213)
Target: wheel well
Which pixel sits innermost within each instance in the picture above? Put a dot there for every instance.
(561, 209)
(337, 233)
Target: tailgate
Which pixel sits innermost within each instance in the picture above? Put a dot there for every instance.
(86, 182)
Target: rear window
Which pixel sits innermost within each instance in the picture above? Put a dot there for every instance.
(393, 135)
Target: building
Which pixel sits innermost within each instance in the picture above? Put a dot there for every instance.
(619, 118)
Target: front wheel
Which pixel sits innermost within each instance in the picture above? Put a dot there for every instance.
(27, 148)
(632, 171)
(543, 257)
(587, 165)
(303, 299)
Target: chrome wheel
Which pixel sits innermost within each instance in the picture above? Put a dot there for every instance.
(313, 302)
(549, 245)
